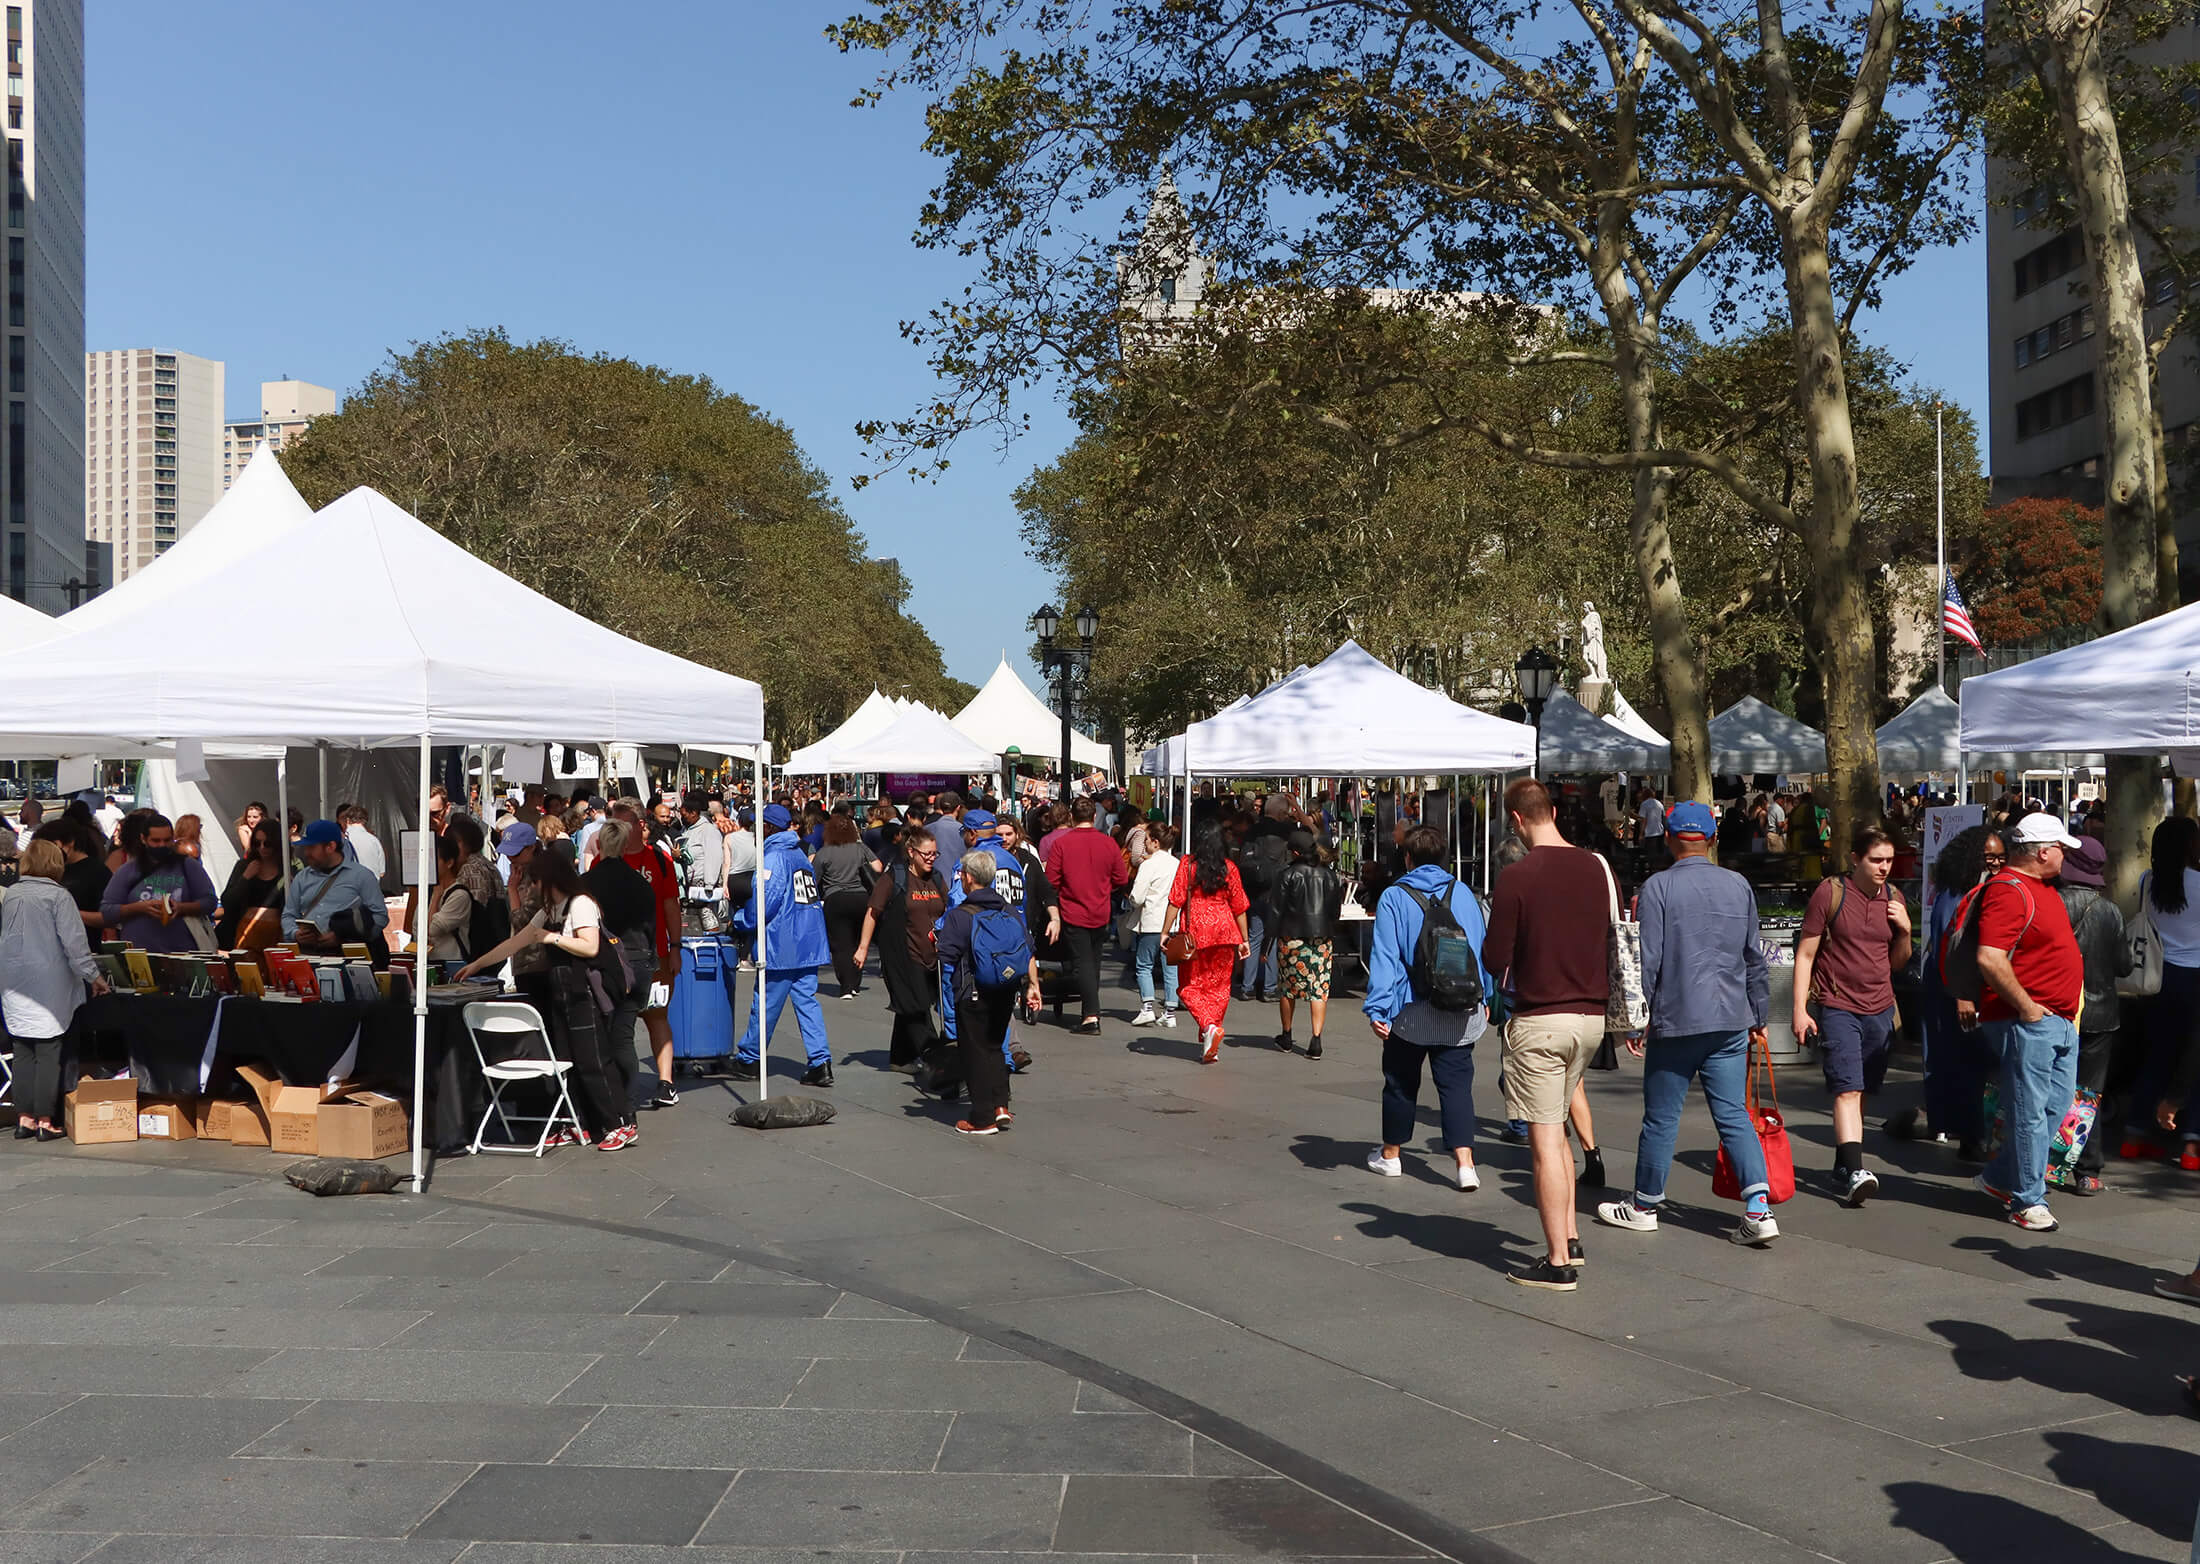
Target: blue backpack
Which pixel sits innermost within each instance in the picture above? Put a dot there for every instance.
(1000, 949)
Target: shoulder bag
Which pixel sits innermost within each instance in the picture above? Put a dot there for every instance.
(1627, 1008)
(1176, 946)
(2144, 980)
(1771, 1135)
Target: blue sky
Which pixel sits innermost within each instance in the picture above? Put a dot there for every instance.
(297, 190)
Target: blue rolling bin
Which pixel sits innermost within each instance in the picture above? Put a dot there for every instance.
(702, 1004)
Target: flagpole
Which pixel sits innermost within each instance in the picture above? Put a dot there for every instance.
(1940, 532)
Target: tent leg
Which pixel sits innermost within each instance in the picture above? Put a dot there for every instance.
(1458, 847)
(756, 993)
(320, 756)
(423, 879)
(282, 812)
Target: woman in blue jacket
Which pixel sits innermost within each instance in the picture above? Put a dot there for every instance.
(1413, 1030)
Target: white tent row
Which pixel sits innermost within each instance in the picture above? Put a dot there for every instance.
(916, 739)
(384, 635)
(868, 718)
(1750, 737)
(2136, 692)
(1571, 739)
(1926, 736)
(1005, 715)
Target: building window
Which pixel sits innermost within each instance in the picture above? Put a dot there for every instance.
(1168, 291)
(2043, 264)
(2055, 407)
(2024, 351)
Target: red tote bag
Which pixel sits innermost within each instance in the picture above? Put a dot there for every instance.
(1771, 1134)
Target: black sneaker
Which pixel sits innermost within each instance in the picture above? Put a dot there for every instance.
(666, 1097)
(1592, 1167)
(818, 1075)
(1574, 1254)
(1283, 1042)
(1314, 1046)
(744, 1070)
(1549, 1277)
(1515, 1132)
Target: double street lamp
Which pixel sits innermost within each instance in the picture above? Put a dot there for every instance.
(1069, 666)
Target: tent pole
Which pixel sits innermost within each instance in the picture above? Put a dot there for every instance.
(1489, 808)
(1457, 845)
(756, 992)
(282, 812)
(320, 756)
(423, 882)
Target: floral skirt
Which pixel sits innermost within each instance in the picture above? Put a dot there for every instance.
(1307, 967)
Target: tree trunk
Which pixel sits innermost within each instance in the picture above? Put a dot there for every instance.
(2130, 545)
(1840, 607)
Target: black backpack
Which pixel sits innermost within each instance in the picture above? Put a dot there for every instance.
(487, 926)
(1445, 972)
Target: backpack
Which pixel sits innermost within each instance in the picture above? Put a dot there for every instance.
(1000, 949)
(1256, 869)
(1959, 973)
(1444, 971)
(487, 926)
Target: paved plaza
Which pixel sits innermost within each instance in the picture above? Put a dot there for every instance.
(1169, 1315)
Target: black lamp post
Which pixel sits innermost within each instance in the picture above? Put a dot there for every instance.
(1067, 666)
(1537, 673)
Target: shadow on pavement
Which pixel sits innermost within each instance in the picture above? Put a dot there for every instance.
(1451, 1237)
(1978, 1528)
(2146, 1484)
(2118, 1355)
(2060, 1262)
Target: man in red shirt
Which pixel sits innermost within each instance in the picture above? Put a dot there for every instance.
(2032, 977)
(1086, 868)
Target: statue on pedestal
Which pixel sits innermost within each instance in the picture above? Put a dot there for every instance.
(1596, 669)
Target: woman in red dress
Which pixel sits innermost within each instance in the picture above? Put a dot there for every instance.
(1210, 902)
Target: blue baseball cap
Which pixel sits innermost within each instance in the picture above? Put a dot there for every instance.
(1691, 819)
(979, 820)
(517, 838)
(776, 817)
(321, 833)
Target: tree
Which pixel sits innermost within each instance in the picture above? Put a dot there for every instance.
(2036, 571)
(1363, 142)
(654, 503)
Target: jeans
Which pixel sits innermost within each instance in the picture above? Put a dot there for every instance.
(1083, 948)
(1668, 1065)
(2039, 1075)
(1453, 1071)
(1257, 973)
(1146, 960)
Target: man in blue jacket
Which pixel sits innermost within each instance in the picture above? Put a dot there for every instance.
(794, 937)
(976, 1019)
(1413, 1028)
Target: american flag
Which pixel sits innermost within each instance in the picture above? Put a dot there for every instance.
(1955, 618)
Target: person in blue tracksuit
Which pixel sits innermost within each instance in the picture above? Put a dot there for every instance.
(795, 947)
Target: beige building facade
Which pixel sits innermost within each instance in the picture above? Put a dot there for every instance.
(152, 449)
(286, 407)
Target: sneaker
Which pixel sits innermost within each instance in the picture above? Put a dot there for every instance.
(744, 1070)
(1465, 1174)
(818, 1075)
(1755, 1231)
(965, 1127)
(1019, 1060)
(1389, 1167)
(1625, 1213)
(1145, 1017)
(1213, 1050)
(1314, 1046)
(2000, 1197)
(565, 1138)
(1901, 1126)
(2034, 1219)
(1168, 1019)
(1283, 1042)
(1003, 1119)
(1858, 1187)
(619, 1139)
(1592, 1167)
(1515, 1132)
(666, 1097)
(1575, 1255)
(850, 993)
(1549, 1277)
(2137, 1148)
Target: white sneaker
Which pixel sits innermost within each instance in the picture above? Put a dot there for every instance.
(1756, 1231)
(2035, 1219)
(1625, 1213)
(1389, 1167)
(1213, 1049)
(1168, 1019)
(1145, 1017)
(1464, 1174)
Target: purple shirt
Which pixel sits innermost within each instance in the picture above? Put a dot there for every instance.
(182, 878)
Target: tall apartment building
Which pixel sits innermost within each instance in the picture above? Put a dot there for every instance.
(152, 449)
(46, 562)
(2045, 434)
(286, 407)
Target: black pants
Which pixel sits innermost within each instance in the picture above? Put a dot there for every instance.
(2094, 1051)
(37, 1091)
(1084, 947)
(739, 888)
(843, 929)
(580, 1029)
(981, 1027)
(912, 1036)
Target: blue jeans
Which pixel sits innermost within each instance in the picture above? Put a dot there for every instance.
(2039, 1075)
(1257, 973)
(1146, 960)
(777, 988)
(1452, 1069)
(1668, 1065)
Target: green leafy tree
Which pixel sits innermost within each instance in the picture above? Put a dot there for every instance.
(654, 503)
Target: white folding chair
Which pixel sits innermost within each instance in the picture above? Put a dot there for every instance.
(7, 1077)
(517, 1061)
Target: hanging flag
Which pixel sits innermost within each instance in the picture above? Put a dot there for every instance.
(1955, 618)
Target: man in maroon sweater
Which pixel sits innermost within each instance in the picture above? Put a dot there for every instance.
(1086, 868)
(1550, 926)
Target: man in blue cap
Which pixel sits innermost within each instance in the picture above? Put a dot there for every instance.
(337, 900)
(794, 948)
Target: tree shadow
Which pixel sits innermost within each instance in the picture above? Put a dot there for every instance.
(2149, 1485)
(1981, 1528)
(1448, 1237)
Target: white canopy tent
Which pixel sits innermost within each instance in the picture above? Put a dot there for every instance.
(402, 640)
(2136, 692)
(868, 718)
(1628, 720)
(1005, 715)
(918, 739)
(1750, 737)
(22, 625)
(1571, 740)
(1926, 736)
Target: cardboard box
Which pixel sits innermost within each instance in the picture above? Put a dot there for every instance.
(214, 1115)
(289, 1113)
(101, 1113)
(168, 1118)
(363, 1124)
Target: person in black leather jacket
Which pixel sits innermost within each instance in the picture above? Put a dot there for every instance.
(1305, 903)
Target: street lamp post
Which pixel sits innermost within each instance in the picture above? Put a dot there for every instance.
(1068, 666)
(1537, 674)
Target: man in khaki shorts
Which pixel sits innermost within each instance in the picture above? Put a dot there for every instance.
(1550, 923)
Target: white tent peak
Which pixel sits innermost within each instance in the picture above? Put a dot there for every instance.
(916, 739)
(1573, 739)
(21, 624)
(1004, 714)
(1750, 737)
